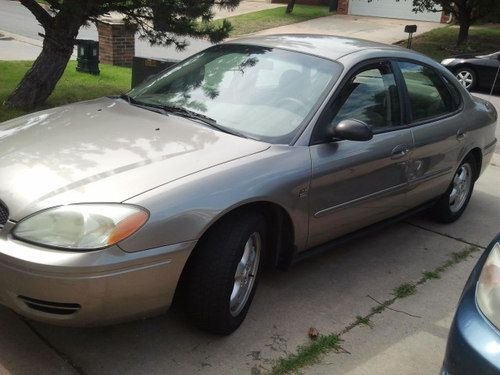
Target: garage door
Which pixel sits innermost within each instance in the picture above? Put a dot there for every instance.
(390, 9)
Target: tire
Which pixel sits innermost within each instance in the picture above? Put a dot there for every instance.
(467, 77)
(453, 203)
(217, 273)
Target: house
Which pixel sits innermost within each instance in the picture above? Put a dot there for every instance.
(401, 9)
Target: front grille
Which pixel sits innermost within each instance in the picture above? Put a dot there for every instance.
(4, 214)
(50, 307)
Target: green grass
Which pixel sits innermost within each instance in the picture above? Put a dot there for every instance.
(265, 19)
(363, 320)
(441, 43)
(307, 355)
(72, 87)
(428, 275)
(405, 290)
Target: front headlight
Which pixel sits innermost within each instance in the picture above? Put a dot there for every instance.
(447, 61)
(488, 287)
(81, 226)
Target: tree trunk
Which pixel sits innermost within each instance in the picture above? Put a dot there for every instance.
(289, 8)
(463, 34)
(39, 82)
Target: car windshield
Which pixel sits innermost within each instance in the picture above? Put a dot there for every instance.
(258, 92)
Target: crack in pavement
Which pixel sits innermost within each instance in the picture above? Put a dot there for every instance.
(60, 354)
(445, 235)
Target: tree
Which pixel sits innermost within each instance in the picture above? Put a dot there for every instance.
(464, 11)
(180, 19)
(290, 6)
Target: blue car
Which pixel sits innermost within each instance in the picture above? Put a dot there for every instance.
(474, 339)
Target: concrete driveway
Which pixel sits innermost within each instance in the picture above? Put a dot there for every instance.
(384, 30)
(326, 292)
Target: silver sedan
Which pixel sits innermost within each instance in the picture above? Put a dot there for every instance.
(255, 152)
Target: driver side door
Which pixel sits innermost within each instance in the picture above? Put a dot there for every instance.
(355, 184)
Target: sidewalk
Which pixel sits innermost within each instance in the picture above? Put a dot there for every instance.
(383, 30)
(15, 47)
(246, 6)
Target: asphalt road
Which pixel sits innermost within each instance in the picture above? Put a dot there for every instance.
(16, 19)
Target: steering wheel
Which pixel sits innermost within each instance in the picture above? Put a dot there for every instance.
(294, 104)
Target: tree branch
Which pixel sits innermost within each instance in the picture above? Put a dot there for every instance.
(40, 14)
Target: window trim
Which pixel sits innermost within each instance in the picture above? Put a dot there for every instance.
(314, 139)
(409, 116)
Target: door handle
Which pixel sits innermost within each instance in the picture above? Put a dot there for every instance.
(400, 151)
(461, 135)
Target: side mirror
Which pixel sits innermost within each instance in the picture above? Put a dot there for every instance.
(352, 130)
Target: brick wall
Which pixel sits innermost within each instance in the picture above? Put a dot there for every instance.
(116, 43)
(343, 7)
(445, 17)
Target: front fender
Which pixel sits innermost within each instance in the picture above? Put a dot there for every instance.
(184, 209)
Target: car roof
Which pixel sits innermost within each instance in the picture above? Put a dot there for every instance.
(327, 46)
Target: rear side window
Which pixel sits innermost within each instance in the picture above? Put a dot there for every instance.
(428, 94)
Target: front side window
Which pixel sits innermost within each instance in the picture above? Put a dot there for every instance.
(370, 96)
(262, 93)
(427, 92)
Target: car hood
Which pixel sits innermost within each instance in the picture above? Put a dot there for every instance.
(104, 150)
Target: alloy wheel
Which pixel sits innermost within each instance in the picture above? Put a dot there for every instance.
(465, 78)
(244, 278)
(462, 183)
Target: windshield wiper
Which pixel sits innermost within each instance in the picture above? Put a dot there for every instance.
(184, 112)
(181, 111)
(137, 103)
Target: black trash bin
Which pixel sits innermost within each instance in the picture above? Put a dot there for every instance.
(143, 68)
(88, 56)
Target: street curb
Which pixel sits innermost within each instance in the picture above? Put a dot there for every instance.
(24, 39)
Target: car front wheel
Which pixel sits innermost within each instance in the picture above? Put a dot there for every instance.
(453, 203)
(223, 272)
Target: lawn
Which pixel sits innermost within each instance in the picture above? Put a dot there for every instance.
(265, 19)
(441, 43)
(72, 87)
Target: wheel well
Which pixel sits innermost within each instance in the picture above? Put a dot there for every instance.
(280, 231)
(280, 238)
(478, 158)
(458, 67)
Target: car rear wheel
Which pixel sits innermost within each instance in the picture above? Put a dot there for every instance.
(224, 271)
(453, 203)
(466, 77)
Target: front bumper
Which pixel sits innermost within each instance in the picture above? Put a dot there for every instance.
(88, 288)
(473, 342)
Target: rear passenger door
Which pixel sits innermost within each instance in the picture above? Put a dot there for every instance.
(438, 132)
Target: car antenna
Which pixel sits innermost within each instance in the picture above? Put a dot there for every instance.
(496, 76)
